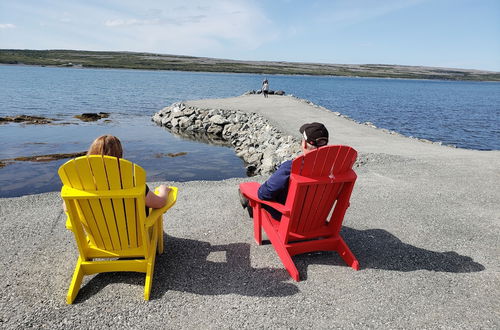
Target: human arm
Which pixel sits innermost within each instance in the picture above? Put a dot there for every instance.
(275, 186)
(159, 200)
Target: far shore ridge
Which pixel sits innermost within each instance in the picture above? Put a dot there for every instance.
(147, 61)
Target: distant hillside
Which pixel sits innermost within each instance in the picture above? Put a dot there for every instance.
(148, 61)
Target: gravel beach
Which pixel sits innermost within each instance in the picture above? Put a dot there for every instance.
(424, 224)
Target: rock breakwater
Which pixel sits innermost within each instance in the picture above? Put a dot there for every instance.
(261, 146)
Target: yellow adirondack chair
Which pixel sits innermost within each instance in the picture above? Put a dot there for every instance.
(105, 202)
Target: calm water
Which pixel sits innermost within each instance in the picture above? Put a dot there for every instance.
(465, 114)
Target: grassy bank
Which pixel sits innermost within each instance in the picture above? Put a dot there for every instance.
(148, 61)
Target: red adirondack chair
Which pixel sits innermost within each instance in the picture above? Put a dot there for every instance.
(319, 190)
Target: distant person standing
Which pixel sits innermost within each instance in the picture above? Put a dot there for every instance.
(265, 87)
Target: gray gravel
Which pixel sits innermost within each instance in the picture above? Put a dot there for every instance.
(424, 225)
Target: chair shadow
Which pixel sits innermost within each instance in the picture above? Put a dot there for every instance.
(379, 249)
(184, 267)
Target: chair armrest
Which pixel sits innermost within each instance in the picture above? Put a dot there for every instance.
(68, 192)
(277, 206)
(249, 190)
(155, 213)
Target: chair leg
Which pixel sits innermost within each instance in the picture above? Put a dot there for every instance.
(160, 235)
(346, 254)
(149, 277)
(76, 282)
(286, 259)
(257, 227)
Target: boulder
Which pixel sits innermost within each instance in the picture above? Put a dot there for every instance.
(166, 110)
(219, 120)
(90, 116)
(162, 121)
(269, 160)
(231, 131)
(184, 122)
(254, 158)
(174, 122)
(26, 119)
(177, 114)
(255, 140)
(188, 111)
(215, 129)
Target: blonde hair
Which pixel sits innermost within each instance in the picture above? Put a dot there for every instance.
(108, 145)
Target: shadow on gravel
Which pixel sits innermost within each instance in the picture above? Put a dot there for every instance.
(379, 249)
(199, 267)
(202, 268)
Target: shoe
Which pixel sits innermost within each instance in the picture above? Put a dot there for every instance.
(245, 204)
(243, 200)
(250, 211)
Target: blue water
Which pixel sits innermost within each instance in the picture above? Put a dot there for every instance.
(465, 114)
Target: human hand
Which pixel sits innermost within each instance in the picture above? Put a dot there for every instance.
(163, 190)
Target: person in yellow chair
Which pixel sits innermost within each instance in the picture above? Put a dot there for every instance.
(103, 192)
(109, 145)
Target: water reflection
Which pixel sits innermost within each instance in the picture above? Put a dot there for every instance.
(142, 142)
(199, 137)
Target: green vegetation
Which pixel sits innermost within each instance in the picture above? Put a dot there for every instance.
(148, 61)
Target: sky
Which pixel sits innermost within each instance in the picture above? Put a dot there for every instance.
(440, 33)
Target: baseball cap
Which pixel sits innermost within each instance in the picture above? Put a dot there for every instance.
(315, 134)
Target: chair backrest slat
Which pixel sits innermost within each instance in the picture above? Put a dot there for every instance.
(312, 203)
(344, 161)
(93, 228)
(110, 223)
(108, 220)
(127, 180)
(330, 197)
(69, 176)
(307, 207)
(299, 206)
(92, 209)
(139, 176)
(115, 183)
(315, 208)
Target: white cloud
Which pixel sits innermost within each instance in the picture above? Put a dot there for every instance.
(196, 26)
(127, 22)
(7, 26)
(219, 28)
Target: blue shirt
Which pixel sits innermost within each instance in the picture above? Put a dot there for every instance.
(276, 188)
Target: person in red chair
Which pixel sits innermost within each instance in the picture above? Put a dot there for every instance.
(314, 135)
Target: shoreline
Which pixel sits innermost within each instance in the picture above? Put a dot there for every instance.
(343, 121)
(385, 130)
(253, 166)
(423, 222)
(201, 136)
(262, 146)
(256, 73)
